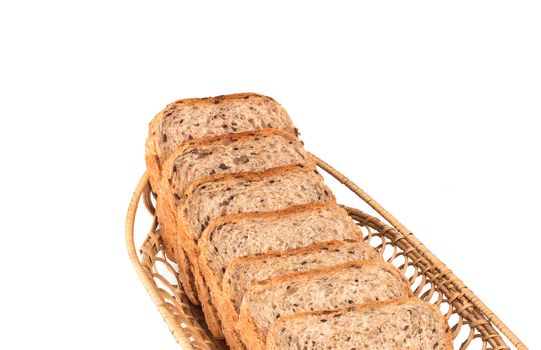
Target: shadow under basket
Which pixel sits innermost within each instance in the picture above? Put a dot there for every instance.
(472, 323)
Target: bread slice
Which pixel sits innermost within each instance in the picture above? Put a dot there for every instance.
(218, 195)
(242, 273)
(225, 154)
(273, 189)
(329, 288)
(240, 235)
(194, 118)
(403, 324)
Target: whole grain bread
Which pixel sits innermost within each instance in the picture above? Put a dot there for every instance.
(329, 288)
(224, 194)
(273, 189)
(224, 154)
(237, 236)
(194, 118)
(242, 273)
(403, 324)
(240, 235)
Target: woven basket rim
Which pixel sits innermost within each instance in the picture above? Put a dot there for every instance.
(142, 190)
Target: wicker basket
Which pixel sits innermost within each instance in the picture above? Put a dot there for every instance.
(473, 325)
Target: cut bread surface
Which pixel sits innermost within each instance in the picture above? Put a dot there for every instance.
(218, 195)
(190, 119)
(329, 288)
(225, 154)
(244, 234)
(274, 189)
(232, 153)
(261, 267)
(404, 324)
(243, 273)
(241, 235)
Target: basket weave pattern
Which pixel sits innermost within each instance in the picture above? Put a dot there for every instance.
(472, 324)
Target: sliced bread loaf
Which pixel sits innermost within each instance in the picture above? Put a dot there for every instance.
(242, 273)
(225, 154)
(329, 288)
(194, 118)
(240, 235)
(273, 189)
(212, 197)
(403, 324)
(232, 153)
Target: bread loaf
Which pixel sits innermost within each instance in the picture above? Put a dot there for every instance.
(260, 242)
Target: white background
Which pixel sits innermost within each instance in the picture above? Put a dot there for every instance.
(432, 108)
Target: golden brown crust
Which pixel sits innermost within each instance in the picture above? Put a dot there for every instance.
(252, 176)
(271, 342)
(270, 214)
(153, 165)
(211, 318)
(323, 271)
(284, 253)
(211, 315)
(297, 251)
(251, 335)
(173, 250)
(220, 98)
(186, 275)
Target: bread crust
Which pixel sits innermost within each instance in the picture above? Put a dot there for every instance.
(251, 335)
(209, 140)
(271, 341)
(154, 157)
